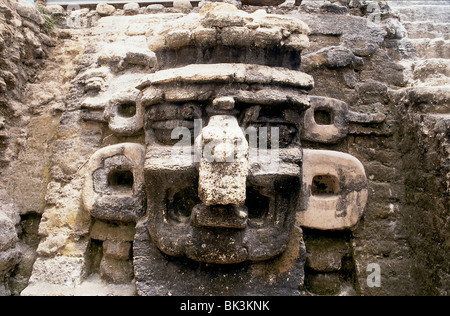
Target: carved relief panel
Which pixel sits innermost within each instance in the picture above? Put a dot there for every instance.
(221, 184)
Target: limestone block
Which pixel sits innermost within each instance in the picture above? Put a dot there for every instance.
(323, 283)
(8, 207)
(119, 250)
(119, 56)
(8, 235)
(30, 11)
(178, 38)
(62, 270)
(104, 9)
(205, 37)
(116, 271)
(334, 190)
(326, 121)
(237, 36)
(325, 254)
(51, 245)
(182, 4)
(8, 261)
(297, 42)
(223, 15)
(332, 57)
(114, 184)
(154, 8)
(124, 114)
(121, 232)
(55, 9)
(131, 8)
(239, 73)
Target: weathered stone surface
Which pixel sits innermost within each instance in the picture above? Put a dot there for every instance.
(224, 166)
(399, 135)
(234, 28)
(131, 8)
(332, 57)
(239, 73)
(104, 9)
(55, 9)
(325, 121)
(323, 283)
(182, 4)
(119, 250)
(30, 11)
(325, 254)
(113, 232)
(116, 271)
(154, 8)
(60, 270)
(8, 262)
(114, 186)
(156, 275)
(118, 57)
(124, 114)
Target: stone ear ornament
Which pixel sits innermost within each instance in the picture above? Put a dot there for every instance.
(124, 114)
(114, 184)
(334, 190)
(327, 120)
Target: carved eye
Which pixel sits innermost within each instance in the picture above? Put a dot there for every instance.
(270, 124)
(173, 122)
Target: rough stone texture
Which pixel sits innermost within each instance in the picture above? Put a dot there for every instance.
(223, 142)
(332, 201)
(105, 9)
(56, 83)
(114, 185)
(131, 8)
(335, 126)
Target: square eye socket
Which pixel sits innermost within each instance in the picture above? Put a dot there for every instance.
(323, 116)
(121, 180)
(269, 124)
(172, 122)
(126, 109)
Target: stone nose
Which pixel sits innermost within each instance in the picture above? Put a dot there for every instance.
(224, 166)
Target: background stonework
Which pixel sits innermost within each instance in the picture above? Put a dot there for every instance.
(388, 60)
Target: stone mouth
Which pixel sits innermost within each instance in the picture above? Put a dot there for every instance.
(227, 234)
(220, 216)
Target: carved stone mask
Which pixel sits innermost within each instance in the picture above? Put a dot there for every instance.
(226, 191)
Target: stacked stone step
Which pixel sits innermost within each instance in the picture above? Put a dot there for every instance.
(428, 27)
(427, 24)
(425, 108)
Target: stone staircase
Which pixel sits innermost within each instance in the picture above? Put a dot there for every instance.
(428, 26)
(424, 106)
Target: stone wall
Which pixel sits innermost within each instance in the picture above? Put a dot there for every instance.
(361, 53)
(25, 136)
